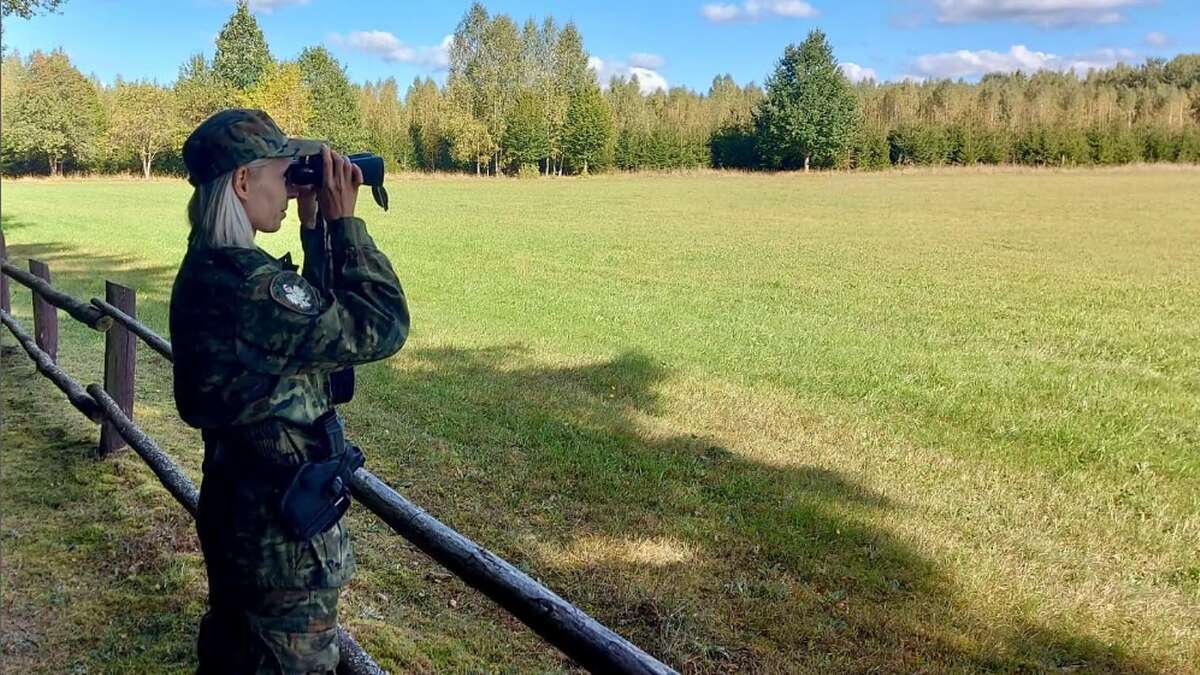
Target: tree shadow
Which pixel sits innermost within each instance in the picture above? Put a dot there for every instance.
(712, 560)
(90, 579)
(10, 223)
(709, 559)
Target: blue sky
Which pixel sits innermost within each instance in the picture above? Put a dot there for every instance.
(678, 42)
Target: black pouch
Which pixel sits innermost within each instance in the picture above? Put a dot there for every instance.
(319, 494)
(341, 386)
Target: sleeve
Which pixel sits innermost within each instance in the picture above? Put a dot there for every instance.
(316, 254)
(286, 325)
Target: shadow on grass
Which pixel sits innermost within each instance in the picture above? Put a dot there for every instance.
(711, 560)
(714, 562)
(83, 275)
(10, 223)
(95, 576)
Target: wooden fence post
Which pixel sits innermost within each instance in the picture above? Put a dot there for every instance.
(4, 303)
(45, 316)
(120, 358)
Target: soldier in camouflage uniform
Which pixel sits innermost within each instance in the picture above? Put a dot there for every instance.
(254, 345)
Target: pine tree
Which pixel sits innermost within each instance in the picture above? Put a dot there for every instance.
(242, 54)
(810, 110)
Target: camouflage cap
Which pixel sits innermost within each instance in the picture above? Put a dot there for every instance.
(238, 136)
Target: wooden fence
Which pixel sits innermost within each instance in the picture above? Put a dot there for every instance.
(566, 627)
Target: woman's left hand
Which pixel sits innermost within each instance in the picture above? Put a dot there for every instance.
(306, 204)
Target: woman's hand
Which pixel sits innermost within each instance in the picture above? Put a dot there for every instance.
(306, 204)
(339, 186)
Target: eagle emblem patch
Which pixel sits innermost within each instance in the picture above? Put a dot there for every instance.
(294, 292)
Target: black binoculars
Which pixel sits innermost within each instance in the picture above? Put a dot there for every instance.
(307, 170)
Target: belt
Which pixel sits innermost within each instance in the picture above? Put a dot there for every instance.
(273, 444)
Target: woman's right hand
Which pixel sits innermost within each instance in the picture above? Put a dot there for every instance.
(339, 186)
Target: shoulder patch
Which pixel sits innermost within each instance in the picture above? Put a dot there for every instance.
(294, 292)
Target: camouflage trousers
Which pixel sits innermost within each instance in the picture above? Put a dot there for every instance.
(272, 599)
(275, 632)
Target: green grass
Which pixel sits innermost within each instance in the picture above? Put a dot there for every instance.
(939, 421)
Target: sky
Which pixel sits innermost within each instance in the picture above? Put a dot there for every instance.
(665, 43)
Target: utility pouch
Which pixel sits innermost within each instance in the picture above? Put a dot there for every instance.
(341, 386)
(319, 494)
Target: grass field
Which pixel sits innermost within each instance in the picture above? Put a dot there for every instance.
(936, 422)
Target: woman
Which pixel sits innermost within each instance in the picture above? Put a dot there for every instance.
(254, 345)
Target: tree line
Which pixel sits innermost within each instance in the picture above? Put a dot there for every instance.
(522, 99)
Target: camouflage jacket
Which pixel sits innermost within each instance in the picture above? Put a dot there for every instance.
(253, 339)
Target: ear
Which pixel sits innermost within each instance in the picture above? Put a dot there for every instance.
(241, 182)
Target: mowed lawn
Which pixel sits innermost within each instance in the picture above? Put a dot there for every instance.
(942, 421)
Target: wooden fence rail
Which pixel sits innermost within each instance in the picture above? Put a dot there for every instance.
(78, 309)
(572, 631)
(152, 339)
(75, 393)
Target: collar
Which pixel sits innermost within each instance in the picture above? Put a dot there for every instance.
(286, 261)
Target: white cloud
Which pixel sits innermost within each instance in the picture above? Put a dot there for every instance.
(856, 73)
(719, 13)
(390, 48)
(645, 60)
(753, 10)
(794, 9)
(649, 79)
(268, 6)
(968, 63)
(1157, 39)
(1045, 13)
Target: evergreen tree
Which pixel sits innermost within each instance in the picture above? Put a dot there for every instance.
(335, 113)
(588, 130)
(199, 92)
(242, 56)
(810, 110)
(526, 133)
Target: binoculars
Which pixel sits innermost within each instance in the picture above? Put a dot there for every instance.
(307, 170)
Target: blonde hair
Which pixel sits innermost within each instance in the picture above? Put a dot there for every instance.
(217, 216)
